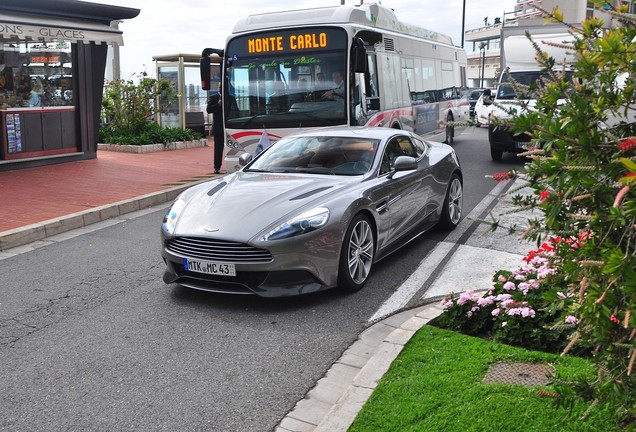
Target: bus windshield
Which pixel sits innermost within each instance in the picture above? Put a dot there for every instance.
(286, 79)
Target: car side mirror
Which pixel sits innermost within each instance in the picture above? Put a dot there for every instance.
(403, 163)
(245, 158)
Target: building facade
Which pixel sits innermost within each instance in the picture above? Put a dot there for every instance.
(52, 63)
(483, 44)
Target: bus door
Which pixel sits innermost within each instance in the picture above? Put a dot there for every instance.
(366, 97)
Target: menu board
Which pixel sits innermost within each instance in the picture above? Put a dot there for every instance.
(14, 133)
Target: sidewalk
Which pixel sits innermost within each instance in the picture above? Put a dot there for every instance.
(44, 201)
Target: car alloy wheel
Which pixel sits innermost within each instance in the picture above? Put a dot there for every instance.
(356, 257)
(452, 211)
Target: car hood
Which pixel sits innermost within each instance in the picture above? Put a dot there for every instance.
(241, 205)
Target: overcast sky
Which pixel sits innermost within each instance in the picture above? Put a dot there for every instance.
(187, 26)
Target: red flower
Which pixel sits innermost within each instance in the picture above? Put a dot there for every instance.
(614, 319)
(544, 195)
(627, 144)
(502, 176)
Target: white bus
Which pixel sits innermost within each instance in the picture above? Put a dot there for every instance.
(282, 73)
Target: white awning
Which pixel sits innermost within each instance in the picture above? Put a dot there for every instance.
(25, 27)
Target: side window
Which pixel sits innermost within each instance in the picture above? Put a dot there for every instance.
(400, 146)
(420, 147)
(406, 147)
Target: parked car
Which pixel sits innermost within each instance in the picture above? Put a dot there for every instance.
(482, 111)
(313, 211)
(472, 100)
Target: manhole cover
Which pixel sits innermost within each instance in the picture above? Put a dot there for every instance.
(528, 374)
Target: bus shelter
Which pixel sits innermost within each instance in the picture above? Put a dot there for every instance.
(187, 109)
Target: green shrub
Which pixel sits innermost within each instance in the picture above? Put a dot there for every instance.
(129, 106)
(147, 133)
(583, 172)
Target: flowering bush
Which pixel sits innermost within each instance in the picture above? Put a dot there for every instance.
(583, 173)
(527, 307)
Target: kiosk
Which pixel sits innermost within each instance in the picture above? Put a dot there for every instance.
(52, 66)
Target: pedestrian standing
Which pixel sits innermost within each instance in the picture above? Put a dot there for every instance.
(215, 107)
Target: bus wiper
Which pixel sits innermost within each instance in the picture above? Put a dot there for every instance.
(249, 120)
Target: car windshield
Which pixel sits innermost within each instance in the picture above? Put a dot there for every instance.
(475, 95)
(330, 155)
(532, 80)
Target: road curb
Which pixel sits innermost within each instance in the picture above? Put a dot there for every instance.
(334, 402)
(42, 230)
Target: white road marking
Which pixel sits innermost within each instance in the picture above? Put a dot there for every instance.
(438, 256)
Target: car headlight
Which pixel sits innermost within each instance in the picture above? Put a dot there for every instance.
(306, 222)
(172, 216)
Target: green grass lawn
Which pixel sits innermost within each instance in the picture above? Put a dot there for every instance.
(435, 384)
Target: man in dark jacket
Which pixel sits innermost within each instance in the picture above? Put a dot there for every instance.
(215, 107)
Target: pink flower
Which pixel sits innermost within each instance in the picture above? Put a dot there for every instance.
(495, 312)
(509, 286)
(503, 297)
(486, 301)
(447, 303)
(466, 296)
(571, 319)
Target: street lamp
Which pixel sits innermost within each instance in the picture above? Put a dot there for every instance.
(482, 52)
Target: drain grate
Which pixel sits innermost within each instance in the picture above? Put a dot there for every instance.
(528, 374)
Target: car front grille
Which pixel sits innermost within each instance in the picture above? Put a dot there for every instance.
(217, 250)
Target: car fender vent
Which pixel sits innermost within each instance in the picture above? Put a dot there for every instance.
(217, 188)
(389, 44)
(310, 193)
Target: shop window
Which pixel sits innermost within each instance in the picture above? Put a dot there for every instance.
(36, 74)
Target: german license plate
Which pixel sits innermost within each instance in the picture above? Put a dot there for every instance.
(209, 267)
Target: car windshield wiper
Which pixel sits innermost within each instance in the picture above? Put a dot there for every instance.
(257, 170)
(314, 170)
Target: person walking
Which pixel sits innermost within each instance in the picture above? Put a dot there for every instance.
(215, 107)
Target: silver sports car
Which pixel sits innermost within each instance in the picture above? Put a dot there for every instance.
(313, 211)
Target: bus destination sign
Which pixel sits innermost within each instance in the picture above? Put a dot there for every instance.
(291, 42)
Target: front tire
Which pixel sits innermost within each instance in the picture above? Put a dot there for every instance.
(495, 154)
(453, 203)
(356, 256)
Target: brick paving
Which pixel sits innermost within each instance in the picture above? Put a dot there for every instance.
(34, 195)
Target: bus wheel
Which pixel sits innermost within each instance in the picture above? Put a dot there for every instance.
(450, 130)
